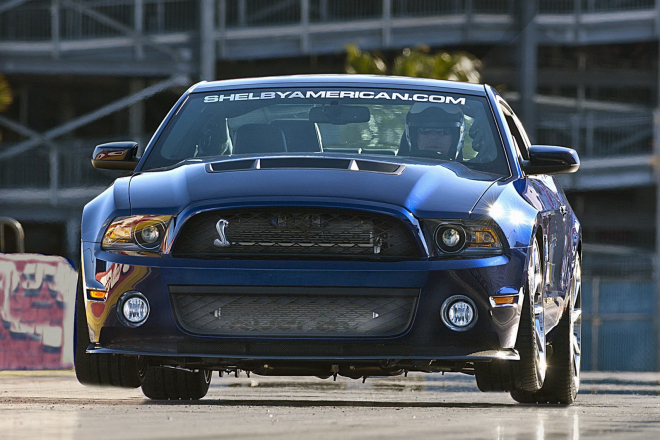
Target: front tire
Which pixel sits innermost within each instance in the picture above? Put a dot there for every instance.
(162, 383)
(563, 379)
(493, 376)
(100, 369)
(528, 374)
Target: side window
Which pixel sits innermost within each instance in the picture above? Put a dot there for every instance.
(523, 133)
(519, 136)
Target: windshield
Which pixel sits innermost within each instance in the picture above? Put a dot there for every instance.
(403, 125)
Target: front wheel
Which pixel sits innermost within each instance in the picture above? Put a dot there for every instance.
(563, 379)
(101, 369)
(528, 374)
(163, 383)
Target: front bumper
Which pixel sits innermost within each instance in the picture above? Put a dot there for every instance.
(426, 338)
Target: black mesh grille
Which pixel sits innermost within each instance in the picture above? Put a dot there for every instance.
(269, 233)
(347, 312)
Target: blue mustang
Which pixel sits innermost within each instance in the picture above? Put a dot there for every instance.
(332, 225)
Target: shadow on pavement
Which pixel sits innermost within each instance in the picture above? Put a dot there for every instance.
(299, 403)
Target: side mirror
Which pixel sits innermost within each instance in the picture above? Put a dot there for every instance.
(545, 159)
(115, 156)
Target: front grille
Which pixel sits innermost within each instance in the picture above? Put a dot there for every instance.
(269, 233)
(293, 311)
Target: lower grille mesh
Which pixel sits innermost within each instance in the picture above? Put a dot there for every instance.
(309, 314)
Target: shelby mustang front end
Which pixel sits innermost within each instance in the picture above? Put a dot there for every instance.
(332, 225)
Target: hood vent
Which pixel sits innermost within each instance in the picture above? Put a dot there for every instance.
(310, 163)
(232, 165)
(305, 162)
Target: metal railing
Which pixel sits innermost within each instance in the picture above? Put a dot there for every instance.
(323, 11)
(19, 235)
(252, 13)
(590, 6)
(64, 165)
(594, 134)
(75, 20)
(39, 20)
(29, 22)
(403, 8)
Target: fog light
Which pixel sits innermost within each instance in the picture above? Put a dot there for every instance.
(459, 313)
(132, 309)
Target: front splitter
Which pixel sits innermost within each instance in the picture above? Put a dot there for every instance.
(479, 356)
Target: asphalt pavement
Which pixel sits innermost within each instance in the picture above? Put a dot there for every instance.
(52, 405)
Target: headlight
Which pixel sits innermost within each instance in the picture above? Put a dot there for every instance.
(450, 238)
(465, 238)
(136, 233)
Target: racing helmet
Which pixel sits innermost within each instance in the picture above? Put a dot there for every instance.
(427, 115)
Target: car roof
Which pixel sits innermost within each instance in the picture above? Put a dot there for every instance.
(339, 80)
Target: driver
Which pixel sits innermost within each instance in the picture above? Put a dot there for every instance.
(435, 130)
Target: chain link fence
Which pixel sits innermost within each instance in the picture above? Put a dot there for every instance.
(620, 313)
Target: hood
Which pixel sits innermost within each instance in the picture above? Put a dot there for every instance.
(428, 191)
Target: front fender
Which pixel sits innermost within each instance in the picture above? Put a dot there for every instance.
(111, 203)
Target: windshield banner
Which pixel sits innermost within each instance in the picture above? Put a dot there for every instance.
(336, 94)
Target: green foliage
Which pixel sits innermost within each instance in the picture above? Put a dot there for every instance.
(5, 94)
(418, 62)
(364, 62)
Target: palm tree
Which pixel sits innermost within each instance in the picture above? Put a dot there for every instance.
(418, 62)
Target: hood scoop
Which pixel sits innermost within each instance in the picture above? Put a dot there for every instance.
(309, 163)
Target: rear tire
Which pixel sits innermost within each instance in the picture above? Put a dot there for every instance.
(171, 384)
(100, 369)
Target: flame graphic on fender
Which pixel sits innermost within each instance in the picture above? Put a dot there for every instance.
(220, 227)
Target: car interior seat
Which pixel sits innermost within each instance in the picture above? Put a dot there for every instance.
(301, 136)
(259, 138)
